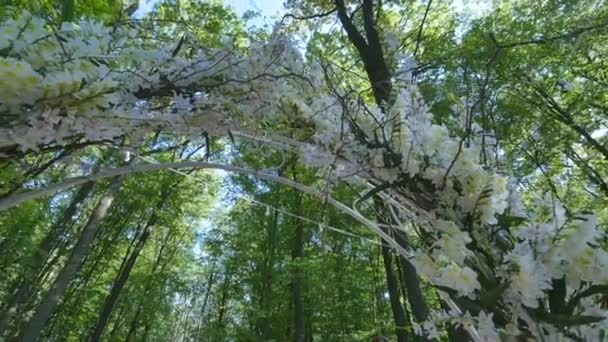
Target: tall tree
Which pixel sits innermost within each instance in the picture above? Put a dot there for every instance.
(53, 297)
(125, 271)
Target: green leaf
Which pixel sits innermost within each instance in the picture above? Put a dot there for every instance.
(67, 10)
(565, 320)
(491, 297)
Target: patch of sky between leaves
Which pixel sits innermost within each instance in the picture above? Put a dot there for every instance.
(265, 11)
(269, 10)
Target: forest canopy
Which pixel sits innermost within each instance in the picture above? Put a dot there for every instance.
(349, 170)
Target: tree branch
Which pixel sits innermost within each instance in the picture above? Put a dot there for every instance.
(308, 17)
(547, 40)
(353, 34)
(419, 38)
(18, 198)
(373, 39)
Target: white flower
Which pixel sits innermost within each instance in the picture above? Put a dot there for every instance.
(434, 139)
(181, 103)
(516, 206)
(425, 266)
(463, 280)
(577, 259)
(411, 166)
(314, 156)
(452, 243)
(485, 327)
(430, 330)
(417, 328)
(8, 33)
(61, 83)
(34, 30)
(19, 83)
(530, 281)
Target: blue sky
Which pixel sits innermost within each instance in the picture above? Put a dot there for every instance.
(271, 10)
(268, 9)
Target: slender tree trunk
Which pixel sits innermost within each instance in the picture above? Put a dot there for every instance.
(339, 271)
(297, 251)
(187, 320)
(309, 326)
(120, 282)
(105, 241)
(117, 324)
(133, 324)
(205, 301)
(415, 296)
(148, 287)
(26, 286)
(265, 326)
(125, 271)
(53, 297)
(50, 241)
(375, 298)
(222, 308)
(403, 288)
(455, 334)
(393, 295)
(74, 293)
(146, 331)
(392, 282)
(179, 313)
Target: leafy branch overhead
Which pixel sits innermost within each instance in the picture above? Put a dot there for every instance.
(359, 170)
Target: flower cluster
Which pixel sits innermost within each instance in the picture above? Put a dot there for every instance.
(86, 79)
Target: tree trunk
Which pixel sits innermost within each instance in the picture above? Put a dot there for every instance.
(415, 296)
(25, 287)
(455, 334)
(269, 256)
(148, 287)
(133, 324)
(53, 297)
(119, 322)
(339, 270)
(297, 252)
(222, 308)
(394, 297)
(378, 74)
(108, 307)
(121, 280)
(403, 288)
(185, 333)
(205, 302)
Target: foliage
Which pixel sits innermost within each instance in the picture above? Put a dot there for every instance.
(412, 171)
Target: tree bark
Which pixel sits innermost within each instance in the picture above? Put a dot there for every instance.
(53, 297)
(123, 276)
(26, 286)
(415, 296)
(455, 334)
(393, 294)
(148, 287)
(379, 77)
(205, 302)
(121, 280)
(222, 308)
(264, 323)
(297, 251)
